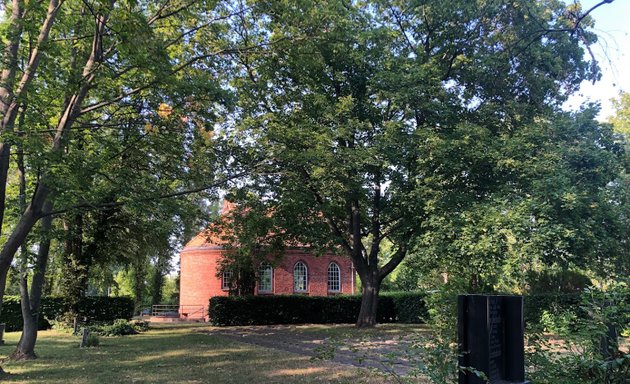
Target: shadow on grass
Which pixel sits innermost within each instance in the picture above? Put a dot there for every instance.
(170, 355)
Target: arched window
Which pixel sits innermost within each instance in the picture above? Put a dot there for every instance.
(226, 280)
(265, 278)
(334, 278)
(300, 277)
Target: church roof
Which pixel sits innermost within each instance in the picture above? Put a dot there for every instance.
(212, 238)
(209, 237)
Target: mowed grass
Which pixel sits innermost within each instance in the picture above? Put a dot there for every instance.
(387, 330)
(170, 354)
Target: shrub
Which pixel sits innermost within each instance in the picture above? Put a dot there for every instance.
(140, 325)
(94, 308)
(120, 327)
(557, 281)
(93, 341)
(297, 309)
(408, 307)
(11, 314)
(539, 307)
(105, 308)
(590, 355)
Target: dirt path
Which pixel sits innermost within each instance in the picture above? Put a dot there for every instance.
(383, 352)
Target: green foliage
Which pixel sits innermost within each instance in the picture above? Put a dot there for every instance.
(119, 327)
(140, 325)
(408, 307)
(141, 129)
(103, 308)
(12, 314)
(584, 358)
(557, 281)
(437, 357)
(621, 119)
(539, 306)
(402, 307)
(94, 308)
(392, 121)
(93, 340)
(559, 323)
(170, 293)
(579, 320)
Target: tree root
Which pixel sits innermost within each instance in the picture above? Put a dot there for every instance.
(18, 355)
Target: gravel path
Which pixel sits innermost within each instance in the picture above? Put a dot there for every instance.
(382, 352)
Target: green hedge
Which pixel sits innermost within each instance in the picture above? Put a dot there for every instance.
(408, 307)
(399, 307)
(403, 307)
(95, 308)
(535, 305)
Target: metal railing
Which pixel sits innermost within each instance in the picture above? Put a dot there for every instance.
(184, 311)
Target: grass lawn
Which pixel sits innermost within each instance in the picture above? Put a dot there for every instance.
(171, 354)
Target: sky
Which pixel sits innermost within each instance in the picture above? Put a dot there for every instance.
(612, 51)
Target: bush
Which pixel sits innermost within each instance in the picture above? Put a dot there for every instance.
(140, 325)
(590, 355)
(557, 282)
(105, 308)
(93, 341)
(404, 307)
(120, 327)
(408, 307)
(11, 314)
(94, 308)
(538, 308)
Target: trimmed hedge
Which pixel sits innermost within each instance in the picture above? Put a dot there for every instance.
(95, 308)
(408, 307)
(403, 307)
(394, 307)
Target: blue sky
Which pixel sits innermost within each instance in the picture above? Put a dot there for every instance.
(612, 24)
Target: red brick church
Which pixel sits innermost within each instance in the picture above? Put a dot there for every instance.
(298, 272)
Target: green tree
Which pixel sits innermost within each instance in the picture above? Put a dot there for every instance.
(119, 101)
(369, 114)
(621, 124)
(621, 119)
(559, 205)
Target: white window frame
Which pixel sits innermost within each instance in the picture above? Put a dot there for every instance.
(225, 280)
(334, 276)
(300, 282)
(264, 269)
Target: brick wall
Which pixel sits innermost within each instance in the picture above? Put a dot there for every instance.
(198, 281)
(199, 265)
(317, 269)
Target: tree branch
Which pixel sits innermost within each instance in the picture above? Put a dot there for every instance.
(329, 221)
(114, 204)
(393, 262)
(179, 68)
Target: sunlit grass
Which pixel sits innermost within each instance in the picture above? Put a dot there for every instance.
(170, 354)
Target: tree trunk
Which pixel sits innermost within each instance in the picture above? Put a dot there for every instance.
(31, 305)
(19, 233)
(371, 278)
(25, 349)
(76, 265)
(138, 274)
(69, 115)
(369, 302)
(10, 98)
(157, 280)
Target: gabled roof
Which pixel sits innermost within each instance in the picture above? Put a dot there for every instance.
(209, 237)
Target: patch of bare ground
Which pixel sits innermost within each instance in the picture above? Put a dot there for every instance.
(382, 349)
